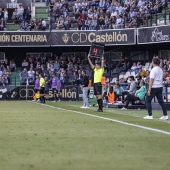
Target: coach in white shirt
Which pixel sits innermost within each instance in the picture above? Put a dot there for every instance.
(155, 89)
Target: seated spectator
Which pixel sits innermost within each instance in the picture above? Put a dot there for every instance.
(60, 22)
(134, 68)
(93, 24)
(23, 76)
(24, 25)
(132, 88)
(25, 64)
(31, 25)
(31, 75)
(101, 22)
(139, 95)
(118, 91)
(67, 23)
(80, 23)
(111, 96)
(4, 80)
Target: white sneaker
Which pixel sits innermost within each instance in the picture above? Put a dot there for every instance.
(164, 117)
(34, 100)
(86, 107)
(82, 107)
(123, 108)
(148, 117)
(38, 100)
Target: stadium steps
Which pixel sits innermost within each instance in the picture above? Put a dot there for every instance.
(12, 27)
(41, 12)
(15, 79)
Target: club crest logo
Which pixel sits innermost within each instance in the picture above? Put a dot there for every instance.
(158, 36)
(65, 38)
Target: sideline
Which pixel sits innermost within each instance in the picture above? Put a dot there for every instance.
(105, 118)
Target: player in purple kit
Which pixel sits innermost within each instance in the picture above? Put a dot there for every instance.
(37, 86)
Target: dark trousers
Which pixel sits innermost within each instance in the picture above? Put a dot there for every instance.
(158, 93)
(123, 95)
(130, 97)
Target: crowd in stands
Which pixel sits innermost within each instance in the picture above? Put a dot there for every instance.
(23, 18)
(6, 68)
(86, 15)
(68, 69)
(103, 14)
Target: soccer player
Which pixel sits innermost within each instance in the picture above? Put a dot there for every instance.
(155, 89)
(42, 88)
(47, 88)
(37, 86)
(98, 69)
(56, 87)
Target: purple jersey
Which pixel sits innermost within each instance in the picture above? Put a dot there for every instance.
(37, 84)
(54, 82)
(58, 84)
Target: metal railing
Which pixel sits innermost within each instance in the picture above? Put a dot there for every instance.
(159, 19)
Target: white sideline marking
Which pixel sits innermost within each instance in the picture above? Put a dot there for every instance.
(105, 118)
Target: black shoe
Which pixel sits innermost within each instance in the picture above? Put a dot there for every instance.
(98, 110)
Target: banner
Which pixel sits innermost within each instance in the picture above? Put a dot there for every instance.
(68, 93)
(9, 93)
(15, 3)
(86, 37)
(153, 35)
(23, 38)
(67, 38)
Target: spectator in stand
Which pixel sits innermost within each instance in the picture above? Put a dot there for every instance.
(60, 22)
(24, 25)
(118, 91)
(28, 14)
(132, 88)
(44, 25)
(110, 96)
(31, 75)
(101, 22)
(20, 12)
(5, 15)
(31, 25)
(1, 13)
(134, 68)
(23, 76)
(12, 66)
(67, 23)
(57, 13)
(25, 65)
(139, 95)
(2, 24)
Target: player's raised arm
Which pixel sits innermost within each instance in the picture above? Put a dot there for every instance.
(91, 64)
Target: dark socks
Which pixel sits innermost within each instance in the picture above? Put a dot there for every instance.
(101, 104)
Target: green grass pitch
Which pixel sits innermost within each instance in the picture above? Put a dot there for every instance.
(39, 137)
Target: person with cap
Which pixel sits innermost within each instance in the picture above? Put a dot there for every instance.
(98, 69)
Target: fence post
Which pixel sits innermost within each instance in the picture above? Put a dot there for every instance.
(156, 19)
